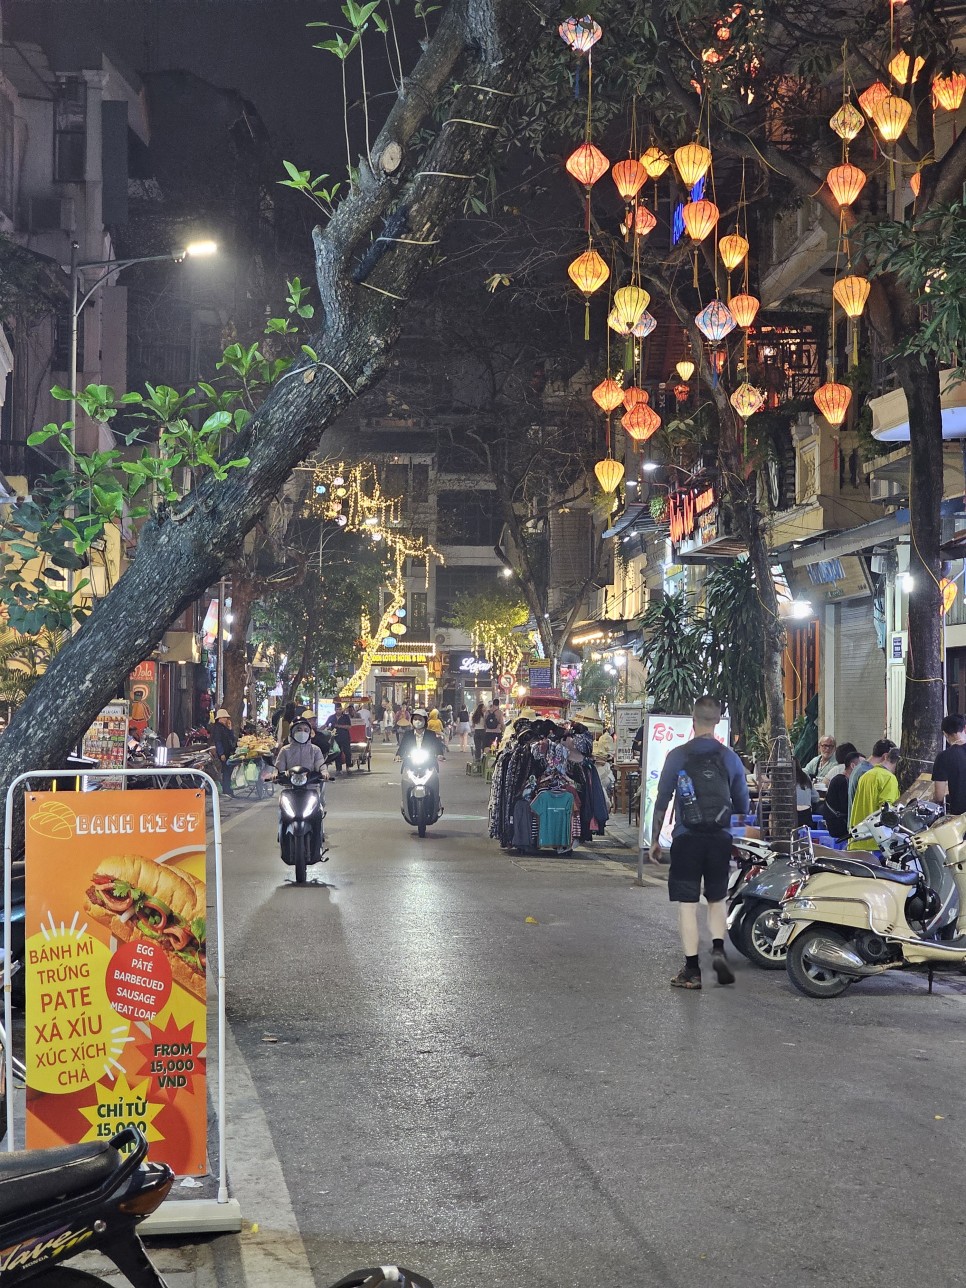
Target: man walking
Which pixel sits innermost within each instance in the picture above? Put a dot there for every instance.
(225, 742)
(949, 771)
(707, 782)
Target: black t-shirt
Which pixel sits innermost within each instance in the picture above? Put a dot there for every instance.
(950, 767)
(836, 808)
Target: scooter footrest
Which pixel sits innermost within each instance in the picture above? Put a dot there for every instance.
(30, 1178)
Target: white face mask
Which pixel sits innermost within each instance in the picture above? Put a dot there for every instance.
(301, 736)
(418, 725)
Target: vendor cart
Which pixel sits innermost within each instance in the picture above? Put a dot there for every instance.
(360, 744)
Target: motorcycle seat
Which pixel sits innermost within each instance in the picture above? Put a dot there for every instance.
(859, 868)
(30, 1178)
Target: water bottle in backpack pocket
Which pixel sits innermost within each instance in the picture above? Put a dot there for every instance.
(704, 791)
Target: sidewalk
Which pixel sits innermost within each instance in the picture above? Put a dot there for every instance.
(619, 843)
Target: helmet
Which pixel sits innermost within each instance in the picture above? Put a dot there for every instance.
(301, 723)
(419, 713)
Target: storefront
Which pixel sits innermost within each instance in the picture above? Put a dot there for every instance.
(405, 675)
(467, 677)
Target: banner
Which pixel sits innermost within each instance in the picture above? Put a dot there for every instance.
(661, 734)
(115, 966)
(627, 720)
(106, 740)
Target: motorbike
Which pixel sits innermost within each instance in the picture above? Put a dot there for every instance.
(380, 1275)
(301, 811)
(754, 901)
(56, 1203)
(421, 805)
(853, 917)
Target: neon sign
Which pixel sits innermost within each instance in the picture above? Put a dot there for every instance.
(677, 219)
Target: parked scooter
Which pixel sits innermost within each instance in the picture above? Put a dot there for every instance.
(56, 1203)
(853, 917)
(301, 810)
(380, 1275)
(754, 901)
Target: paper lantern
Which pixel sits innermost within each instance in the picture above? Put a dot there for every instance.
(682, 392)
(581, 34)
(587, 164)
(398, 628)
(899, 68)
(846, 182)
(608, 395)
(629, 303)
(616, 324)
(833, 400)
(644, 325)
(588, 272)
(700, 218)
(693, 162)
(948, 589)
(641, 423)
(891, 116)
(644, 221)
(715, 322)
(685, 368)
(609, 474)
(390, 641)
(634, 397)
(847, 122)
(733, 249)
(871, 96)
(744, 309)
(852, 293)
(948, 91)
(915, 183)
(655, 162)
(746, 400)
(629, 178)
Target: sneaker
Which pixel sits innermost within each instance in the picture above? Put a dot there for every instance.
(719, 964)
(687, 979)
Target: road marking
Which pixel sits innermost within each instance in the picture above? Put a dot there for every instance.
(276, 1254)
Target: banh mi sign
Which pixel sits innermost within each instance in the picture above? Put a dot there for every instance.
(115, 970)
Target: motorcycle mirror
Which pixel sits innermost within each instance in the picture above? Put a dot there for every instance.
(890, 818)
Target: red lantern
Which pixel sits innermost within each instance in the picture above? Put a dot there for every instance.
(681, 392)
(868, 98)
(629, 177)
(587, 164)
(608, 395)
(644, 221)
(641, 423)
(948, 91)
(633, 397)
(833, 400)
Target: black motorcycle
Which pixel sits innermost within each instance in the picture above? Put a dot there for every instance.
(421, 805)
(57, 1203)
(300, 814)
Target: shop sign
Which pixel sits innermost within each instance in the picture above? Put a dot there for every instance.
(693, 516)
(833, 579)
(475, 666)
(389, 658)
(115, 970)
(627, 720)
(143, 695)
(541, 676)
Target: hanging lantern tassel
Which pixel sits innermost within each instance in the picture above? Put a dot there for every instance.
(587, 319)
(835, 453)
(854, 325)
(695, 282)
(629, 363)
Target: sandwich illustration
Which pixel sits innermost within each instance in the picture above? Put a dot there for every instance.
(140, 899)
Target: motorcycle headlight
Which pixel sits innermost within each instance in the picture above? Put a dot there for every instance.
(298, 779)
(310, 806)
(288, 809)
(419, 756)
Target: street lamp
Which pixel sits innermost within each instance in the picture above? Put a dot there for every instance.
(77, 302)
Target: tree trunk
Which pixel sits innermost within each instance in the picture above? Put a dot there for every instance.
(922, 710)
(183, 550)
(244, 593)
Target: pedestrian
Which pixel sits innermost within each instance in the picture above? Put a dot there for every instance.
(343, 737)
(821, 767)
(446, 716)
(878, 786)
(463, 726)
(493, 725)
(877, 757)
(949, 770)
(365, 715)
(836, 806)
(707, 781)
(434, 724)
(289, 713)
(225, 743)
(806, 797)
(476, 723)
(403, 723)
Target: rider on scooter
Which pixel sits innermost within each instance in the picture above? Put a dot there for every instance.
(419, 739)
(301, 753)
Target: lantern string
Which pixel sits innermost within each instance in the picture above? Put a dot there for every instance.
(410, 241)
(462, 120)
(390, 294)
(442, 174)
(488, 89)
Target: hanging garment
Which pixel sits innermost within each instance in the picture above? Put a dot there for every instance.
(555, 812)
(523, 821)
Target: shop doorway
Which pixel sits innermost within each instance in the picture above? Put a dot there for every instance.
(956, 681)
(400, 692)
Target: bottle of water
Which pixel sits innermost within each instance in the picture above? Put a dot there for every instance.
(688, 797)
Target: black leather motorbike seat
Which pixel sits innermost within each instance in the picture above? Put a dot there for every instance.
(30, 1178)
(863, 868)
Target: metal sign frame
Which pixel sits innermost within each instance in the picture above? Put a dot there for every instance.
(158, 772)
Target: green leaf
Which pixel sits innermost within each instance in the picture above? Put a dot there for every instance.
(216, 422)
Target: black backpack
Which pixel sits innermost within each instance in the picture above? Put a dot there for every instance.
(710, 811)
(491, 721)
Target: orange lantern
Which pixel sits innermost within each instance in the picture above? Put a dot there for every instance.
(868, 98)
(846, 182)
(899, 68)
(948, 589)
(915, 183)
(608, 395)
(744, 309)
(634, 397)
(644, 221)
(693, 162)
(746, 400)
(629, 303)
(833, 400)
(587, 164)
(655, 162)
(732, 250)
(588, 272)
(685, 368)
(641, 423)
(948, 91)
(629, 177)
(891, 116)
(852, 292)
(609, 474)
(682, 392)
(847, 122)
(700, 218)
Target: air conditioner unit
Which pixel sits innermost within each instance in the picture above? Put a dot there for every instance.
(887, 490)
(47, 214)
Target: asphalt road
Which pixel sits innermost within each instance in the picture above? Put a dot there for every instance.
(506, 1103)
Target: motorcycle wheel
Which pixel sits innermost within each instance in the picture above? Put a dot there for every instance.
(67, 1277)
(301, 859)
(421, 818)
(735, 934)
(757, 935)
(812, 980)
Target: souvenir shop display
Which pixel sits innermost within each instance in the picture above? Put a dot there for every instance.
(546, 792)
